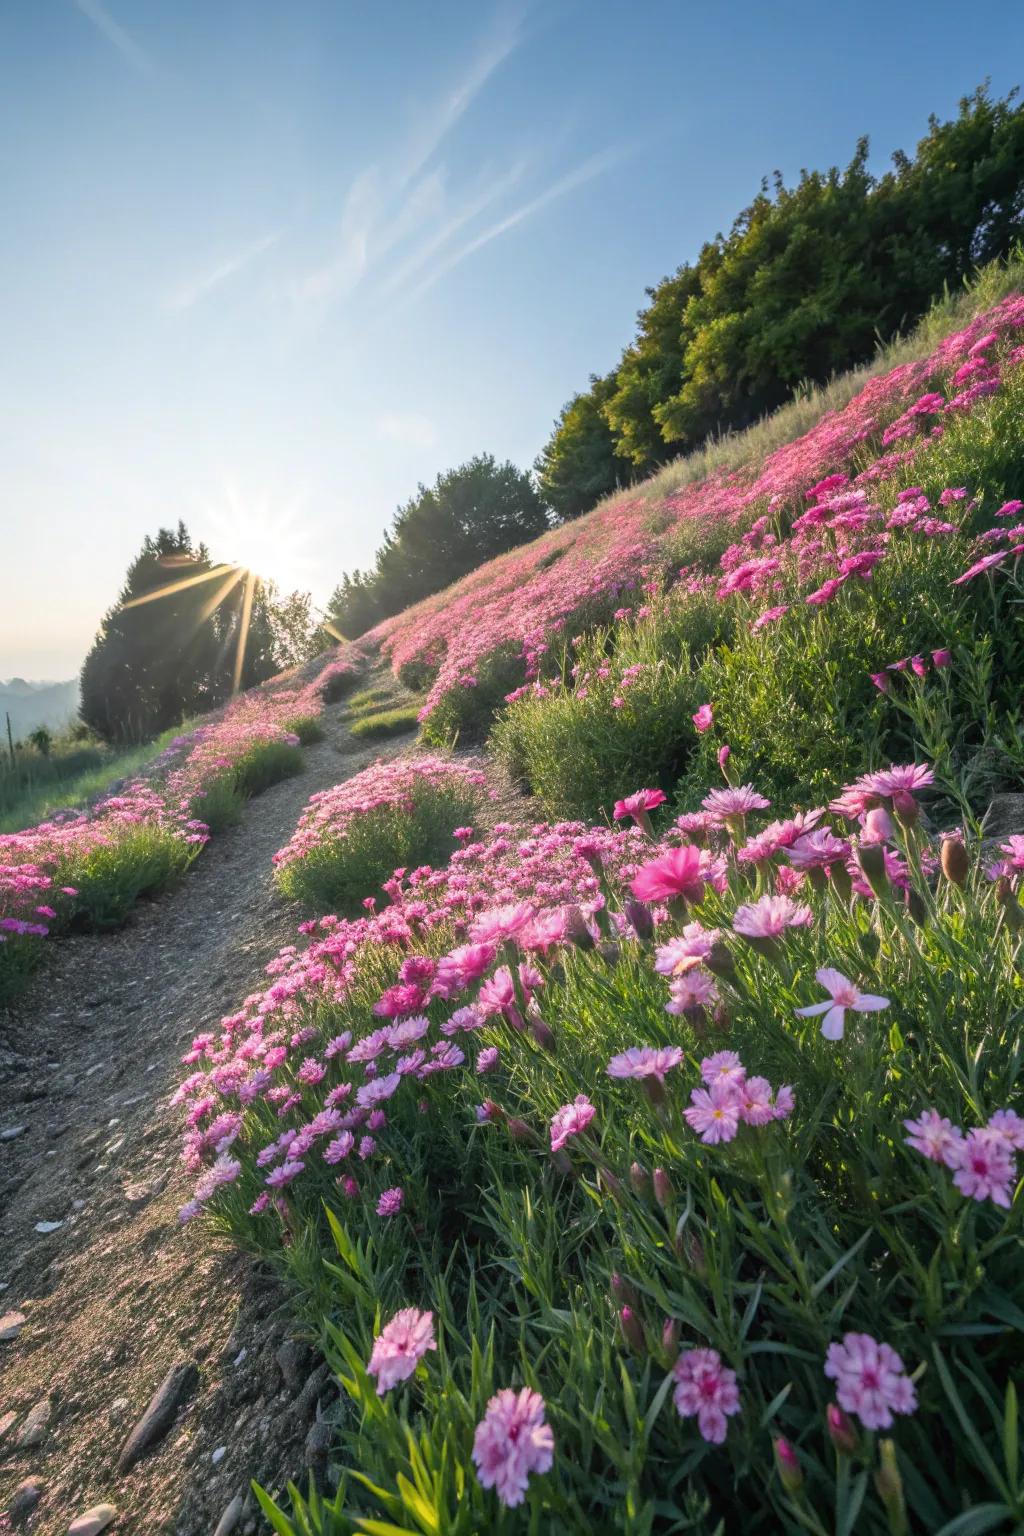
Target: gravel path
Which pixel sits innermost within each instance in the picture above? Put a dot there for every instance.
(116, 1295)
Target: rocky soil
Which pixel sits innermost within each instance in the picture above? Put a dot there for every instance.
(105, 1302)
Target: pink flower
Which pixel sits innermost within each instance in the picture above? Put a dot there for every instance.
(674, 874)
(770, 916)
(1008, 1124)
(934, 1137)
(843, 996)
(377, 1090)
(722, 804)
(707, 1389)
(723, 1067)
(985, 1167)
(488, 1059)
(870, 1380)
(694, 989)
(511, 1442)
(768, 617)
(984, 564)
(646, 1061)
(400, 1346)
(714, 1113)
(905, 778)
(279, 1177)
(704, 718)
(685, 952)
(571, 1120)
(390, 1202)
(638, 804)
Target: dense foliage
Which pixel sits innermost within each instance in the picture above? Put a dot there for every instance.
(806, 282)
(464, 519)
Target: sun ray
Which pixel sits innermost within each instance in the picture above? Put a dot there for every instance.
(179, 586)
(243, 629)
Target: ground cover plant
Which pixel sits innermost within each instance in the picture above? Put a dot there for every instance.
(479, 641)
(350, 839)
(379, 724)
(86, 867)
(651, 1183)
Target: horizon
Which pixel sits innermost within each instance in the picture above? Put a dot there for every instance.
(243, 288)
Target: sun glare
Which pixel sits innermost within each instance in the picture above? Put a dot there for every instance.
(261, 538)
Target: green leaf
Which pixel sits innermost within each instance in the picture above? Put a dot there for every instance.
(282, 1525)
(983, 1517)
(1010, 1445)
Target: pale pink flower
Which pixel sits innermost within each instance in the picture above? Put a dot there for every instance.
(686, 951)
(770, 916)
(694, 989)
(1008, 1124)
(723, 1067)
(377, 1090)
(704, 718)
(646, 1061)
(985, 1167)
(511, 1442)
(705, 1389)
(571, 1120)
(400, 1346)
(871, 1380)
(714, 1113)
(843, 997)
(725, 803)
(934, 1137)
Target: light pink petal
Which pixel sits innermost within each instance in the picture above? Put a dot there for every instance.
(867, 1003)
(831, 979)
(812, 1010)
(833, 1024)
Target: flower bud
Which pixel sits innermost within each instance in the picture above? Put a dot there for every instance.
(890, 1487)
(719, 960)
(690, 1250)
(722, 1019)
(954, 860)
(541, 1033)
(841, 882)
(879, 826)
(662, 1187)
(941, 658)
(610, 953)
(788, 1465)
(632, 1331)
(671, 1329)
(562, 1163)
(519, 1130)
(623, 1292)
(489, 1111)
(577, 930)
(917, 907)
(640, 918)
(871, 863)
(906, 807)
(611, 1185)
(640, 1179)
(840, 1430)
(1006, 896)
(723, 757)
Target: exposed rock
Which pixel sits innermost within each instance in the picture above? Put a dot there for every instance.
(1004, 817)
(230, 1518)
(93, 1521)
(317, 1444)
(46, 1227)
(11, 1131)
(218, 1455)
(37, 1422)
(305, 1403)
(179, 1383)
(24, 1499)
(6, 1421)
(293, 1361)
(11, 1325)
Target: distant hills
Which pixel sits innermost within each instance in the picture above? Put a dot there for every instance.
(31, 704)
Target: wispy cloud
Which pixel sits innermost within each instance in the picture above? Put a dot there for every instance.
(596, 165)
(127, 47)
(410, 430)
(198, 287)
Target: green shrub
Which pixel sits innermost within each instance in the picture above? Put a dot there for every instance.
(367, 700)
(307, 728)
(110, 878)
(386, 722)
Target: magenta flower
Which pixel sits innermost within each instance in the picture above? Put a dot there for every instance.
(984, 564)
(390, 1202)
(705, 1389)
(934, 1137)
(646, 1061)
(723, 804)
(870, 1380)
(704, 718)
(903, 779)
(511, 1442)
(400, 1346)
(843, 996)
(674, 874)
(985, 1167)
(770, 916)
(638, 805)
(571, 1120)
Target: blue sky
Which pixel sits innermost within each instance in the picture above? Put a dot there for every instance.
(267, 264)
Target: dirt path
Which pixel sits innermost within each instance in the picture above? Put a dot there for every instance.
(116, 1295)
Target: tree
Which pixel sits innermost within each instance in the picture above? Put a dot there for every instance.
(167, 648)
(469, 515)
(580, 465)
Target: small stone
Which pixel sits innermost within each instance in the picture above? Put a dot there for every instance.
(93, 1521)
(33, 1431)
(230, 1518)
(6, 1421)
(11, 1325)
(242, 1353)
(317, 1444)
(24, 1499)
(46, 1227)
(12, 1131)
(293, 1359)
(218, 1455)
(177, 1385)
(118, 1408)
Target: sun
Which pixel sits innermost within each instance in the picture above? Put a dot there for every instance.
(260, 537)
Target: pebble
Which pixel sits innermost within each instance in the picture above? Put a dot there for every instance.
(218, 1455)
(11, 1325)
(12, 1131)
(37, 1422)
(6, 1420)
(230, 1518)
(179, 1383)
(46, 1227)
(93, 1521)
(25, 1498)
